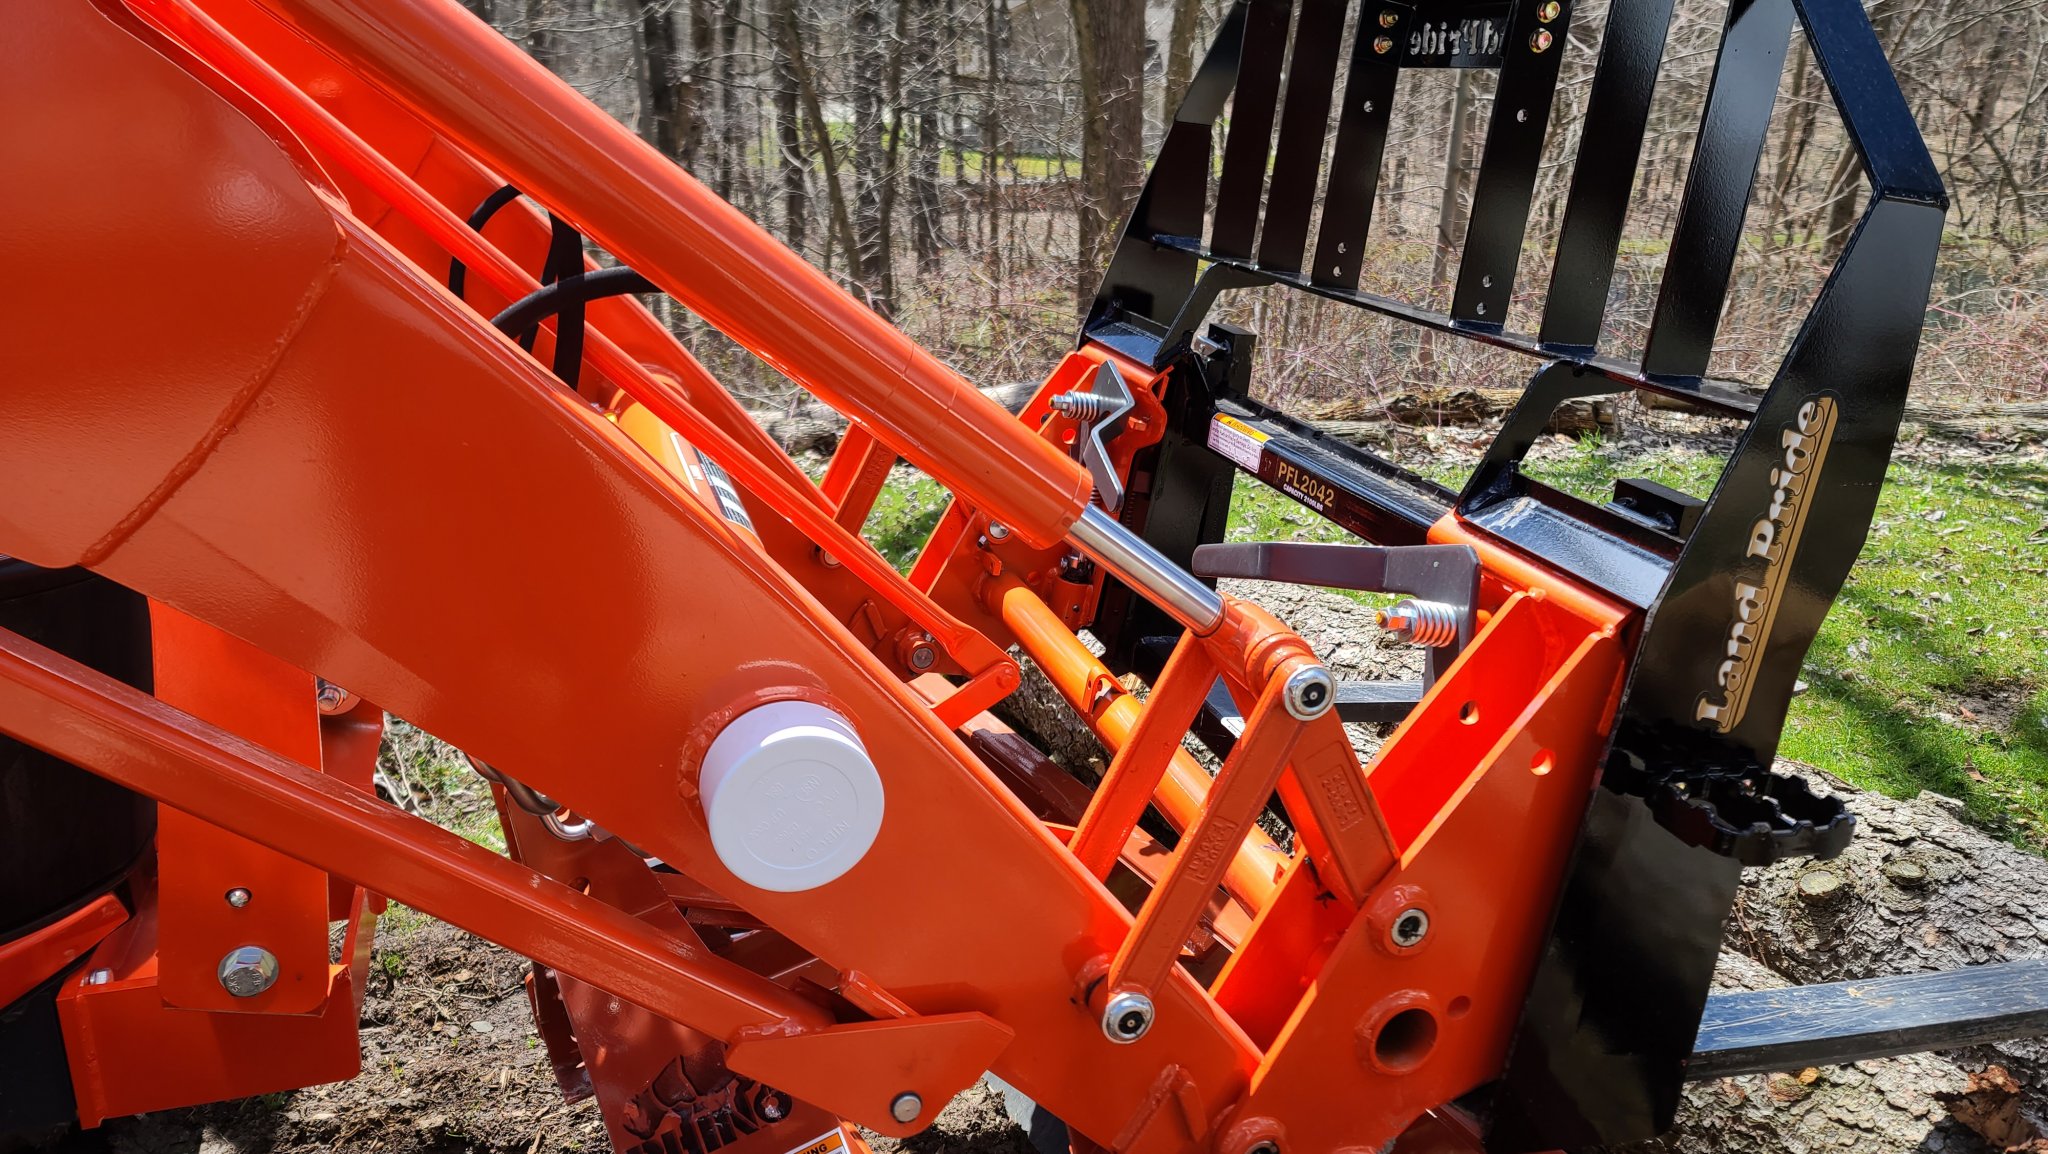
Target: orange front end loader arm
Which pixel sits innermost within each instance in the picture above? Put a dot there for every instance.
(269, 468)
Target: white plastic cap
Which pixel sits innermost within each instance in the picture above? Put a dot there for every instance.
(791, 797)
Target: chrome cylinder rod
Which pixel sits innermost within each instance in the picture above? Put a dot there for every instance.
(1141, 567)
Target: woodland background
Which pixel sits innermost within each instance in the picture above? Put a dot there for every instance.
(964, 166)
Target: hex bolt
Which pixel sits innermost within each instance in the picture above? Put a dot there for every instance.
(1389, 18)
(1410, 927)
(1549, 11)
(248, 971)
(1126, 1017)
(997, 531)
(906, 1107)
(923, 656)
(1541, 40)
(238, 897)
(772, 1108)
(1383, 44)
(1310, 692)
(331, 698)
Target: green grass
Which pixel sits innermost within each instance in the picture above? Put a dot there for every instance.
(1928, 673)
(446, 791)
(903, 517)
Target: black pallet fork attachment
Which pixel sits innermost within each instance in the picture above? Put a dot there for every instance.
(1733, 588)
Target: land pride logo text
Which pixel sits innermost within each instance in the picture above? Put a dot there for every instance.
(1773, 539)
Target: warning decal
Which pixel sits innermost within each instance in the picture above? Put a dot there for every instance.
(1237, 441)
(832, 1143)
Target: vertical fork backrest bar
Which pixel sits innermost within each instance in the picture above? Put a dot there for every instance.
(1717, 187)
(1304, 124)
(1252, 109)
(1507, 169)
(1361, 142)
(1617, 112)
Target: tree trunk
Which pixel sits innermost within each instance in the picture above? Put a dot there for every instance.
(732, 158)
(543, 43)
(992, 141)
(1109, 37)
(1180, 58)
(869, 263)
(661, 76)
(1450, 214)
(693, 94)
(796, 206)
(790, 35)
(927, 234)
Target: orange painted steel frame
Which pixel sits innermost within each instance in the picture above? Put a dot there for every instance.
(315, 458)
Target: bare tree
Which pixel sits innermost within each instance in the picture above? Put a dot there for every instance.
(1109, 37)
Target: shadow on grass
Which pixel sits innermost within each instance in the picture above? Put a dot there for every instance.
(1879, 725)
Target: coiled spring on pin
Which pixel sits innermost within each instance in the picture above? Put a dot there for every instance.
(1086, 408)
(1430, 624)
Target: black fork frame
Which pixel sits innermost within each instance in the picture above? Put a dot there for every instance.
(1731, 592)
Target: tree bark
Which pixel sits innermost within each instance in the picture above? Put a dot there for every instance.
(661, 76)
(927, 233)
(542, 42)
(790, 35)
(792, 163)
(692, 95)
(1109, 38)
(1180, 58)
(732, 159)
(869, 263)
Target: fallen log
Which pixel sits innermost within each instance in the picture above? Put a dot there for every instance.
(1466, 405)
(814, 428)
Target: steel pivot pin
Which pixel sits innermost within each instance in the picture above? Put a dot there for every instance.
(1126, 1017)
(1410, 928)
(1309, 692)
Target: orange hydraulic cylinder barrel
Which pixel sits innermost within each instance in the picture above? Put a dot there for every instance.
(1252, 876)
(477, 88)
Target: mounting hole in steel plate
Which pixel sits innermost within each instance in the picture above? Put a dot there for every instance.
(1543, 763)
(1405, 1039)
(1459, 1007)
(1469, 713)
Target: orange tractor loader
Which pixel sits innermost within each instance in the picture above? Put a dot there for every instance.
(315, 408)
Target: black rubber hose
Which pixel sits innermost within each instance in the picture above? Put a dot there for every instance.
(457, 274)
(542, 303)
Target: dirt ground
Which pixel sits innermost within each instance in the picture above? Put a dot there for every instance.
(452, 1065)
